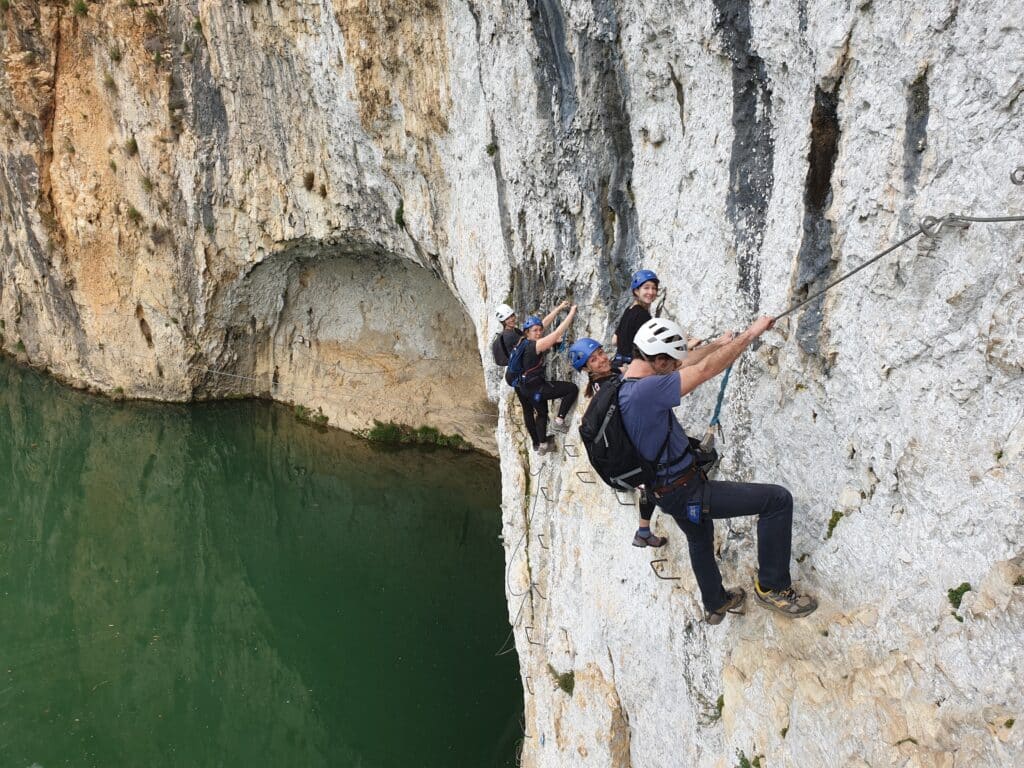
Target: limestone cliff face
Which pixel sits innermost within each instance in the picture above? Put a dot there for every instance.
(321, 202)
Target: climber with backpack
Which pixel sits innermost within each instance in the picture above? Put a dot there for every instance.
(526, 372)
(588, 354)
(632, 437)
(505, 340)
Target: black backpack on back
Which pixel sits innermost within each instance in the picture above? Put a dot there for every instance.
(609, 448)
(515, 375)
(499, 350)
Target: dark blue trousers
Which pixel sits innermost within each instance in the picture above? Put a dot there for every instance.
(773, 506)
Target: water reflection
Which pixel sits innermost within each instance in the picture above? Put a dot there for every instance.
(221, 585)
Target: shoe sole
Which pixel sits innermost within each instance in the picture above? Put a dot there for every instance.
(645, 545)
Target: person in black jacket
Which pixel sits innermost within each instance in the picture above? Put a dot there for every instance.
(645, 286)
(507, 338)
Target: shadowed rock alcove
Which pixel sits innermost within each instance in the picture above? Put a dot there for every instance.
(357, 335)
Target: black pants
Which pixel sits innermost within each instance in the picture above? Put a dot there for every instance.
(538, 396)
(773, 505)
(528, 418)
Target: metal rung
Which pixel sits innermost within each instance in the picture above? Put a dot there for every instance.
(627, 503)
(529, 639)
(570, 450)
(540, 538)
(529, 685)
(536, 589)
(544, 492)
(658, 574)
(585, 477)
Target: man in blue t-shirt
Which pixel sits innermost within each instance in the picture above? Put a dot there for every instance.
(654, 384)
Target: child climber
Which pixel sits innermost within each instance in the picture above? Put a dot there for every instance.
(587, 354)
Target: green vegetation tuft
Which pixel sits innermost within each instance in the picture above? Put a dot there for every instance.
(132, 3)
(833, 522)
(133, 214)
(566, 680)
(400, 214)
(131, 147)
(317, 417)
(197, 26)
(80, 8)
(151, 16)
(720, 704)
(1019, 582)
(999, 454)
(1009, 723)
(109, 84)
(391, 433)
(115, 54)
(147, 184)
(20, 346)
(113, 165)
(492, 149)
(784, 731)
(908, 739)
(745, 762)
(957, 595)
(5, 5)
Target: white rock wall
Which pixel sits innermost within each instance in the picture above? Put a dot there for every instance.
(533, 149)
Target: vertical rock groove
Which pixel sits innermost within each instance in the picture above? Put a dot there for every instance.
(751, 175)
(557, 80)
(915, 137)
(815, 261)
(604, 79)
(587, 101)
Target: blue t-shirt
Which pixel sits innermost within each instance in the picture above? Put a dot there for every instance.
(646, 412)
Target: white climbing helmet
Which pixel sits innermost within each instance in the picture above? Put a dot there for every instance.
(503, 312)
(659, 336)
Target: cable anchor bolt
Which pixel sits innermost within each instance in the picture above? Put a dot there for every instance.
(1017, 175)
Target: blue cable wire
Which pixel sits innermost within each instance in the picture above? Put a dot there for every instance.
(721, 396)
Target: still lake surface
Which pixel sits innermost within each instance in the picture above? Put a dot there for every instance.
(221, 585)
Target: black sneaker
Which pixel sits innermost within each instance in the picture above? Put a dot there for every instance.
(733, 604)
(785, 601)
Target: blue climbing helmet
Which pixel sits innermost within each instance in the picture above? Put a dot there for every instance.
(531, 321)
(580, 352)
(643, 276)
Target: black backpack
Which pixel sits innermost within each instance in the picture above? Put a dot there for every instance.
(514, 374)
(498, 350)
(609, 448)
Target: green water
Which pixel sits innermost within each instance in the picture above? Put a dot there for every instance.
(221, 585)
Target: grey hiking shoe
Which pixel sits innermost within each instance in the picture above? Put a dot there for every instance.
(548, 446)
(734, 599)
(785, 601)
(649, 541)
(560, 426)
